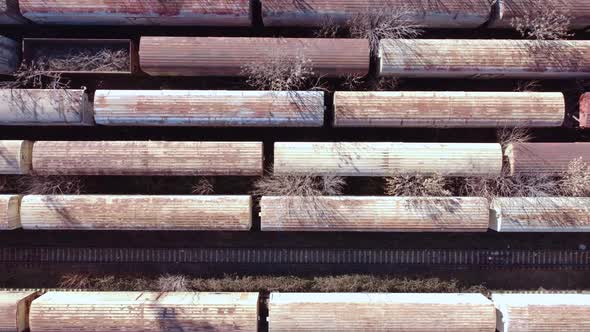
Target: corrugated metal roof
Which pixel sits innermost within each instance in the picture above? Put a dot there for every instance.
(434, 14)
(226, 56)
(484, 58)
(209, 108)
(132, 12)
(448, 109)
(545, 158)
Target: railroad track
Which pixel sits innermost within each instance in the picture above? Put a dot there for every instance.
(572, 259)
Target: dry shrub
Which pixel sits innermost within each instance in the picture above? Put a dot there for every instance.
(232, 283)
(388, 22)
(172, 283)
(416, 185)
(279, 72)
(203, 186)
(507, 136)
(543, 20)
(75, 281)
(76, 59)
(576, 180)
(51, 185)
(36, 77)
(527, 86)
(299, 185)
(511, 186)
(363, 83)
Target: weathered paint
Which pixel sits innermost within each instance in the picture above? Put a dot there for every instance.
(545, 158)
(15, 157)
(227, 56)
(9, 13)
(484, 58)
(147, 158)
(522, 312)
(137, 212)
(14, 310)
(585, 110)
(45, 107)
(423, 13)
(374, 214)
(540, 214)
(386, 159)
(9, 212)
(448, 109)
(132, 12)
(144, 311)
(209, 108)
(454, 312)
(577, 11)
(9, 56)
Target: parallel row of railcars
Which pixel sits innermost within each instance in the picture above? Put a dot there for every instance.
(294, 213)
(202, 311)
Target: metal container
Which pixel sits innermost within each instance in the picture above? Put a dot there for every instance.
(380, 312)
(140, 213)
(9, 56)
(33, 48)
(144, 311)
(147, 158)
(485, 58)
(9, 212)
(577, 11)
(386, 159)
(448, 109)
(9, 13)
(14, 310)
(45, 107)
(431, 14)
(227, 56)
(544, 158)
(209, 108)
(374, 214)
(15, 156)
(132, 12)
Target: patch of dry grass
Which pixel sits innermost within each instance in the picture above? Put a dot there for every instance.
(299, 185)
(279, 72)
(576, 180)
(172, 283)
(417, 185)
(232, 283)
(51, 185)
(543, 20)
(387, 22)
(77, 59)
(203, 186)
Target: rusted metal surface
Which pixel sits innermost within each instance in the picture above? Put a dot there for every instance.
(448, 109)
(577, 11)
(485, 58)
(9, 212)
(380, 312)
(9, 55)
(145, 311)
(45, 107)
(585, 110)
(14, 310)
(545, 158)
(385, 159)
(540, 214)
(128, 212)
(209, 108)
(15, 157)
(145, 12)
(227, 56)
(431, 14)
(33, 48)
(147, 158)
(542, 312)
(374, 214)
(9, 13)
